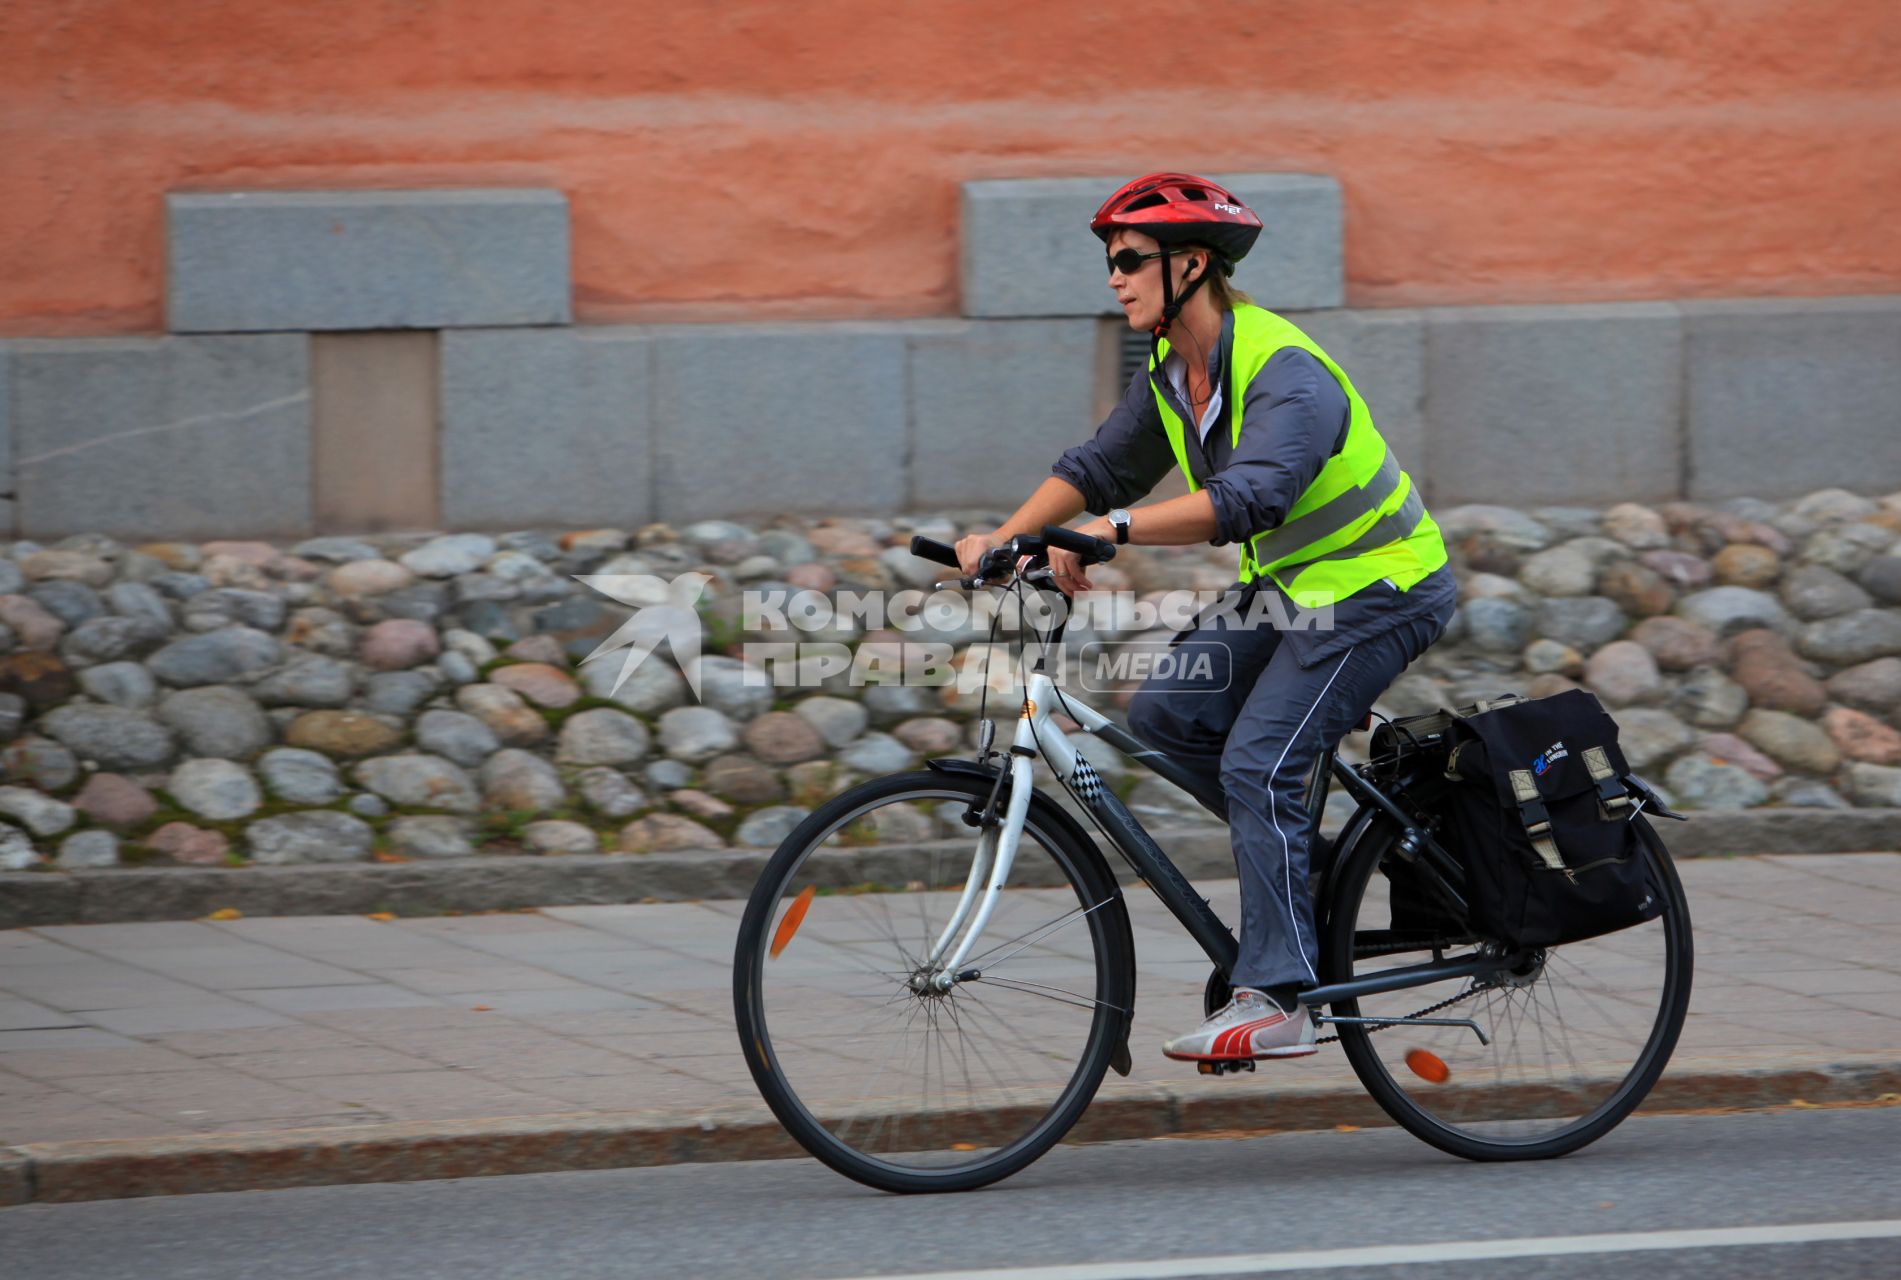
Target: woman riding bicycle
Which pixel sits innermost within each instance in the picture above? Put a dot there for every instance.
(1283, 459)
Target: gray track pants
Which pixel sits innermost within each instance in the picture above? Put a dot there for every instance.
(1256, 728)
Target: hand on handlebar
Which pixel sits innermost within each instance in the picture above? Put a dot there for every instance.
(1066, 567)
(970, 551)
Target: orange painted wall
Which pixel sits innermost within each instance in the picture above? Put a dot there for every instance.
(743, 158)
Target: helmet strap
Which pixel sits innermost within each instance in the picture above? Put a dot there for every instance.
(1172, 305)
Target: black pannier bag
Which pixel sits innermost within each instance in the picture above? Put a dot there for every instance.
(1539, 815)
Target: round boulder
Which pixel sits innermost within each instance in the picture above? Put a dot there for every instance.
(1699, 782)
(317, 835)
(693, 734)
(17, 851)
(1862, 737)
(1650, 737)
(1791, 741)
(122, 684)
(603, 736)
(742, 780)
(313, 681)
(539, 682)
(1730, 610)
(427, 782)
(89, 849)
(666, 832)
(192, 846)
(876, 753)
(731, 686)
(215, 789)
(216, 720)
(519, 780)
(611, 793)
(299, 776)
(456, 735)
(342, 733)
(113, 800)
(1676, 643)
(111, 737)
(838, 720)
(1764, 665)
(767, 827)
(38, 813)
(1813, 592)
(216, 657)
(1853, 638)
(369, 578)
(553, 836)
(504, 711)
(430, 836)
(781, 737)
(396, 644)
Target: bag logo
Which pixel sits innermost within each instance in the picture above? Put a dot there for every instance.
(1552, 754)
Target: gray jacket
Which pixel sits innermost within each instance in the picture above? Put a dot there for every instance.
(1294, 417)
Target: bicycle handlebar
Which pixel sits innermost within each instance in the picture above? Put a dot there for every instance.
(1092, 550)
(934, 551)
(1036, 546)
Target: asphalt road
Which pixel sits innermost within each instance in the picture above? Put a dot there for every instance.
(1667, 1195)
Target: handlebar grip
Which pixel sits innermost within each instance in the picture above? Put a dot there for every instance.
(935, 551)
(1092, 550)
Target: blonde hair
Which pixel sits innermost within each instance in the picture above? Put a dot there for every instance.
(1221, 290)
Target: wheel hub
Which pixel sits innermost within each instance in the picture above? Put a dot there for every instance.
(1523, 974)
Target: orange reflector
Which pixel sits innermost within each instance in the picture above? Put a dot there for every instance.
(1428, 1066)
(794, 917)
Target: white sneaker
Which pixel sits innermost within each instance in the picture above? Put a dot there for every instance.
(1249, 1026)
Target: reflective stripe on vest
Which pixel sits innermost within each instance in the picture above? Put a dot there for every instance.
(1358, 522)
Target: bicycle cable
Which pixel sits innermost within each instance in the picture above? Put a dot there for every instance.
(1467, 994)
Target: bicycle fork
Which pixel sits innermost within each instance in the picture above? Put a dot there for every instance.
(989, 872)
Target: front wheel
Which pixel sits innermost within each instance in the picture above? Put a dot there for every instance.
(872, 1068)
(1579, 1033)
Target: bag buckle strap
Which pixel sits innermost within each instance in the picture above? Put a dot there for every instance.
(1531, 811)
(1612, 797)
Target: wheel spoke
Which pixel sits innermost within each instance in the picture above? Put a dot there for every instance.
(1576, 1038)
(885, 1076)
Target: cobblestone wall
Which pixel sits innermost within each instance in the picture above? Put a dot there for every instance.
(344, 699)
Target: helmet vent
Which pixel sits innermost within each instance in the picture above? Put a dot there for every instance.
(1148, 201)
(1193, 193)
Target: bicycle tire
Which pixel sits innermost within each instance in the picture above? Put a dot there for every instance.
(1072, 858)
(1413, 1106)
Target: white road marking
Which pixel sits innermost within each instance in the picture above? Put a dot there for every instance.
(1392, 1255)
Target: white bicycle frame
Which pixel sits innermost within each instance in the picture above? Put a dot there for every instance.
(1036, 734)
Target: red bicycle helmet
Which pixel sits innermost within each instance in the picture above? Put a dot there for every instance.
(1177, 209)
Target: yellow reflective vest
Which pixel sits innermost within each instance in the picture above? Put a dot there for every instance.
(1359, 521)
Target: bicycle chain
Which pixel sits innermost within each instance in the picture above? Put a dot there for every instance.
(1431, 1008)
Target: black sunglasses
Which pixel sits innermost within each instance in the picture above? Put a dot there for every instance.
(1128, 261)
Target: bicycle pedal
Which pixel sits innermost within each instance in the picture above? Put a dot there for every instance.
(1224, 1068)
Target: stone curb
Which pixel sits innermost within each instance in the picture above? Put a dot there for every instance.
(58, 1172)
(117, 895)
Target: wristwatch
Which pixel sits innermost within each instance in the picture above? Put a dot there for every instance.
(1119, 520)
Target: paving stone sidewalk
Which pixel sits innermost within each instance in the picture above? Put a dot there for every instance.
(136, 1031)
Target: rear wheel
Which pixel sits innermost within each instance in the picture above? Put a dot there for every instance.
(870, 1067)
(1579, 1033)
